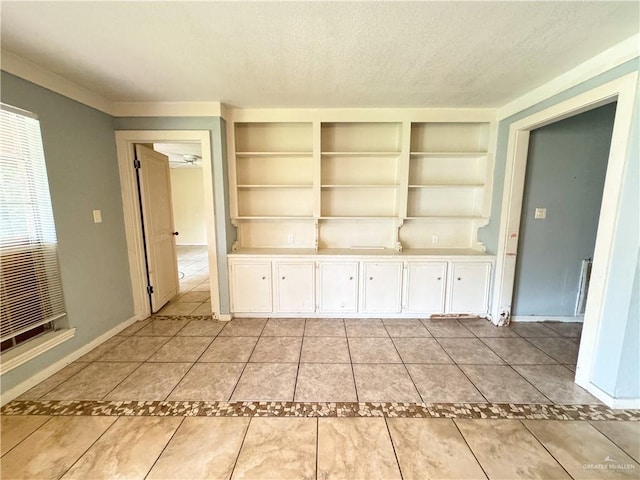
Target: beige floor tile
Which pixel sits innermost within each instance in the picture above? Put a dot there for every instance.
(151, 381)
(53, 448)
(193, 297)
(202, 328)
(163, 328)
(52, 382)
(284, 327)
(181, 349)
(134, 349)
(325, 383)
(179, 308)
(532, 329)
(355, 448)
(229, 349)
(203, 309)
(481, 327)
(443, 384)
(244, 327)
(502, 384)
(582, 450)
(127, 450)
(208, 381)
(15, 428)
(266, 382)
(92, 383)
(277, 350)
(566, 329)
(469, 351)
(432, 448)
(401, 327)
(571, 367)
(325, 350)
(373, 350)
(516, 351)
(624, 434)
(421, 350)
(278, 448)
(324, 327)
(521, 457)
(101, 349)
(133, 328)
(447, 328)
(365, 327)
(202, 287)
(384, 383)
(211, 444)
(556, 382)
(563, 350)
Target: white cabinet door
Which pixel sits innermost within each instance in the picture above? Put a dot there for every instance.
(251, 287)
(468, 287)
(338, 287)
(425, 287)
(381, 287)
(295, 287)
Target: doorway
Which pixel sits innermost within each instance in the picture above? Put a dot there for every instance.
(125, 142)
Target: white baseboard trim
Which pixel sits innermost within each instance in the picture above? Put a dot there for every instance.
(608, 400)
(63, 362)
(546, 318)
(225, 317)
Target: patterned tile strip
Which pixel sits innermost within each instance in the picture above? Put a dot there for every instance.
(319, 409)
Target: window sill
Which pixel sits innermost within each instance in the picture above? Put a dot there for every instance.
(28, 351)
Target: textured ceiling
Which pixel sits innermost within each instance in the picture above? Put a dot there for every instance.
(314, 54)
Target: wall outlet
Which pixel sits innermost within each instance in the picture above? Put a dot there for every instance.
(290, 238)
(434, 239)
(541, 213)
(97, 216)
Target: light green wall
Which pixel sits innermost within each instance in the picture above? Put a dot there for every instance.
(225, 233)
(566, 166)
(82, 166)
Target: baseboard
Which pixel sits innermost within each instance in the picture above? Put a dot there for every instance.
(608, 400)
(546, 318)
(63, 362)
(225, 317)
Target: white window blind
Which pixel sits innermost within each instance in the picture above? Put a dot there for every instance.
(31, 289)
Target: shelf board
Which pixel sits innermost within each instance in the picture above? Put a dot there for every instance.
(358, 217)
(448, 185)
(360, 154)
(355, 186)
(274, 186)
(274, 217)
(448, 154)
(274, 154)
(445, 217)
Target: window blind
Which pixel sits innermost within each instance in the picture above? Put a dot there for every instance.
(30, 284)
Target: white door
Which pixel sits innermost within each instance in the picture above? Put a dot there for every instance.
(382, 283)
(338, 287)
(157, 216)
(251, 287)
(295, 287)
(425, 287)
(468, 287)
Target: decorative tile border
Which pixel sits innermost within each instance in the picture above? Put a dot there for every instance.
(181, 317)
(319, 409)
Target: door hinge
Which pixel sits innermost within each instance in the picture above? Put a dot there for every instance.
(136, 164)
(149, 289)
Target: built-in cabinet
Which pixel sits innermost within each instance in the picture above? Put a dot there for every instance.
(352, 286)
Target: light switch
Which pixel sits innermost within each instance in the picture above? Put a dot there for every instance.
(540, 214)
(97, 216)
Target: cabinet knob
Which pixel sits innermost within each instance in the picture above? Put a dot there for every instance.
(350, 278)
(439, 278)
(264, 278)
(370, 278)
(283, 278)
(459, 278)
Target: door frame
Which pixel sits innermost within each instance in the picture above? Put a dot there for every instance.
(125, 141)
(622, 90)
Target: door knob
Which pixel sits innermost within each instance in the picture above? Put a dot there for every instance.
(176, 233)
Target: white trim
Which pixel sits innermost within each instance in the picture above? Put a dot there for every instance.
(125, 140)
(18, 66)
(610, 58)
(608, 400)
(546, 318)
(226, 317)
(31, 349)
(63, 362)
(624, 90)
(166, 109)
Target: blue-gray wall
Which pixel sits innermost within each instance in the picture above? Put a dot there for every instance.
(225, 233)
(82, 166)
(566, 167)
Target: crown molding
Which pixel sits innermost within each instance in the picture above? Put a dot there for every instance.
(18, 66)
(608, 59)
(167, 109)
